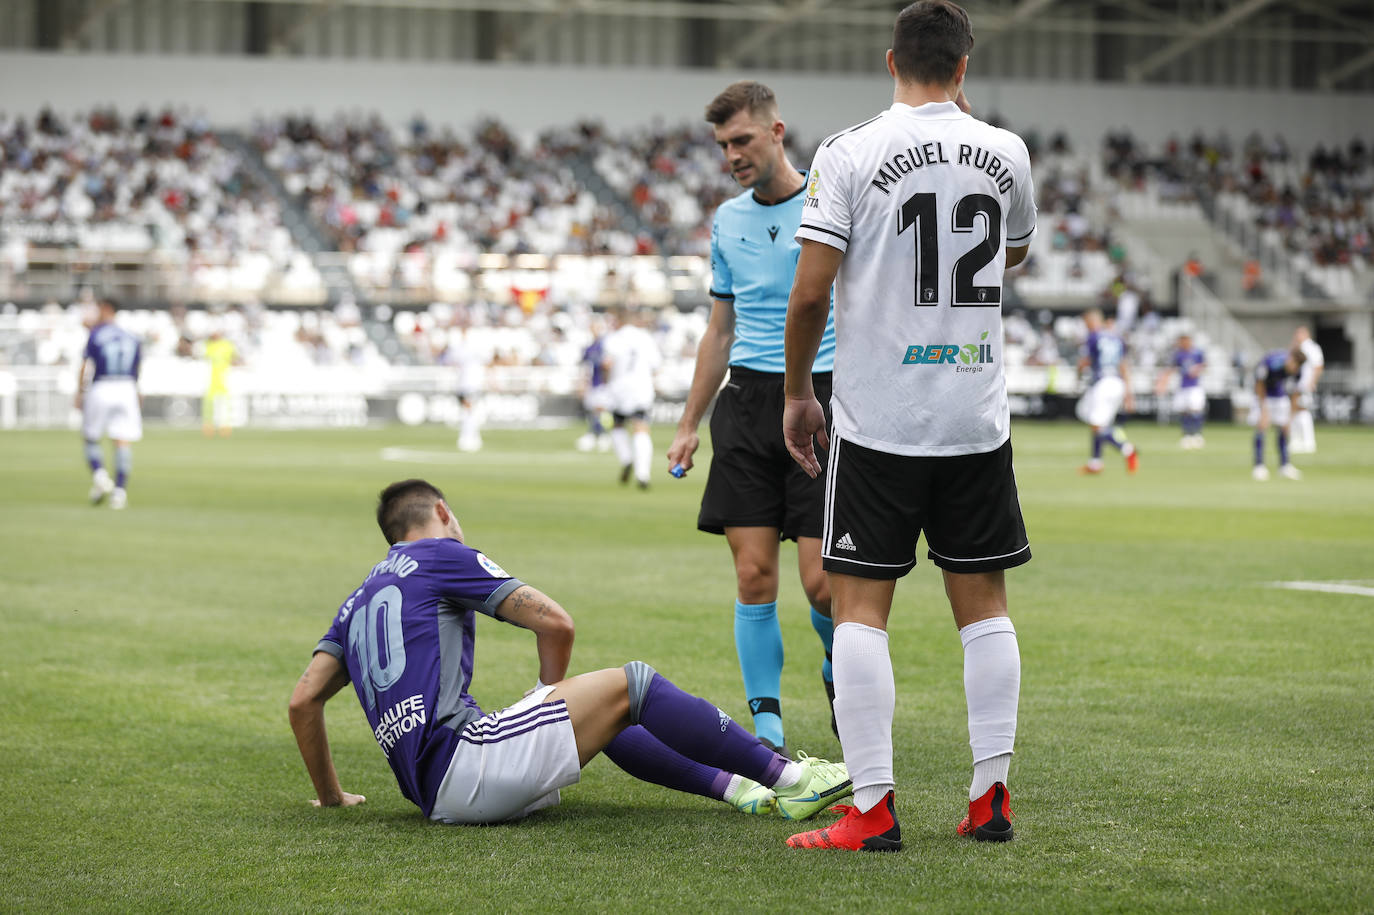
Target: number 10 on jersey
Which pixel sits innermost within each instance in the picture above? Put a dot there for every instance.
(919, 213)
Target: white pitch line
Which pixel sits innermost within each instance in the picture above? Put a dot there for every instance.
(1329, 587)
(421, 456)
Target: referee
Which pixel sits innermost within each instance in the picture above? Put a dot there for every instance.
(755, 494)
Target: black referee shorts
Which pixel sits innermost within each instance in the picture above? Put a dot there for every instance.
(753, 481)
(878, 505)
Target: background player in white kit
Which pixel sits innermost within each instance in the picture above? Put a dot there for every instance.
(471, 364)
(111, 406)
(1303, 438)
(631, 358)
(914, 214)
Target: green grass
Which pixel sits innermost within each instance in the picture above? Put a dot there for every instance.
(1190, 738)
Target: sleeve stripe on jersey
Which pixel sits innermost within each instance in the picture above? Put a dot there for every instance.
(850, 130)
(723, 296)
(1022, 237)
(843, 238)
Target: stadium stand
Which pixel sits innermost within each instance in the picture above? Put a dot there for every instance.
(347, 242)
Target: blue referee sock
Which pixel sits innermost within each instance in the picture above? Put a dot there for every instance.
(758, 642)
(825, 628)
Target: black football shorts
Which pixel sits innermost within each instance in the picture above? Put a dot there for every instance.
(753, 481)
(877, 505)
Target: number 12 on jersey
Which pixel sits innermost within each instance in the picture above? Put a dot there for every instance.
(920, 214)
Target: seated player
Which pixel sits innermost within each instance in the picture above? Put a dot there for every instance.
(405, 640)
(1104, 354)
(1190, 400)
(1275, 377)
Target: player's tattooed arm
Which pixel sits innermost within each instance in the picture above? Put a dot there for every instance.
(325, 676)
(529, 608)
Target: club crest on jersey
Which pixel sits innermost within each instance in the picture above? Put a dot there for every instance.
(492, 568)
(965, 357)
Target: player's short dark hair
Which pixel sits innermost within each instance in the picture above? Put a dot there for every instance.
(745, 95)
(929, 40)
(404, 505)
(110, 302)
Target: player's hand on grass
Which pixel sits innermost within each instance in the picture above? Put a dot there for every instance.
(345, 800)
(680, 452)
(803, 421)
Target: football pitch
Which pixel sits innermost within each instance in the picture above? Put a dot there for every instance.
(1192, 737)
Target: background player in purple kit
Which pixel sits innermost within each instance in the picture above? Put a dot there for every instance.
(405, 639)
(1275, 388)
(1104, 355)
(595, 397)
(111, 404)
(1190, 400)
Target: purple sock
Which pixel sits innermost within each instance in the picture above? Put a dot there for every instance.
(1283, 447)
(700, 731)
(1097, 446)
(649, 759)
(1259, 448)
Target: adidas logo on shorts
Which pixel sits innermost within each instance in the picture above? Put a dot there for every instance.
(846, 543)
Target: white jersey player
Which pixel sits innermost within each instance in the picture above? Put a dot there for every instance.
(631, 357)
(470, 362)
(914, 214)
(1304, 434)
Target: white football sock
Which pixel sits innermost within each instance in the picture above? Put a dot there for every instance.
(644, 456)
(988, 772)
(471, 424)
(992, 687)
(1302, 433)
(620, 438)
(788, 778)
(865, 701)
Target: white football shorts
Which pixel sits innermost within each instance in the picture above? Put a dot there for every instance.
(1100, 403)
(111, 408)
(1280, 411)
(1190, 400)
(597, 398)
(510, 763)
(630, 401)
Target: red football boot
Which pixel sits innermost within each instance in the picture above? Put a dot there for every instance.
(1133, 461)
(989, 817)
(876, 830)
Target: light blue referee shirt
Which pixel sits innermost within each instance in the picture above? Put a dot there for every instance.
(753, 259)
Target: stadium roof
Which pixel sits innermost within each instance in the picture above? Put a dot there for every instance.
(1330, 43)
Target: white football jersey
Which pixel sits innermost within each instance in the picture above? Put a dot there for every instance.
(924, 202)
(1313, 358)
(631, 358)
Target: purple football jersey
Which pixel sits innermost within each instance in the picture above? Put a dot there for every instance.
(1106, 351)
(114, 351)
(1189, 362)
(1273, 371)
(406, 636)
